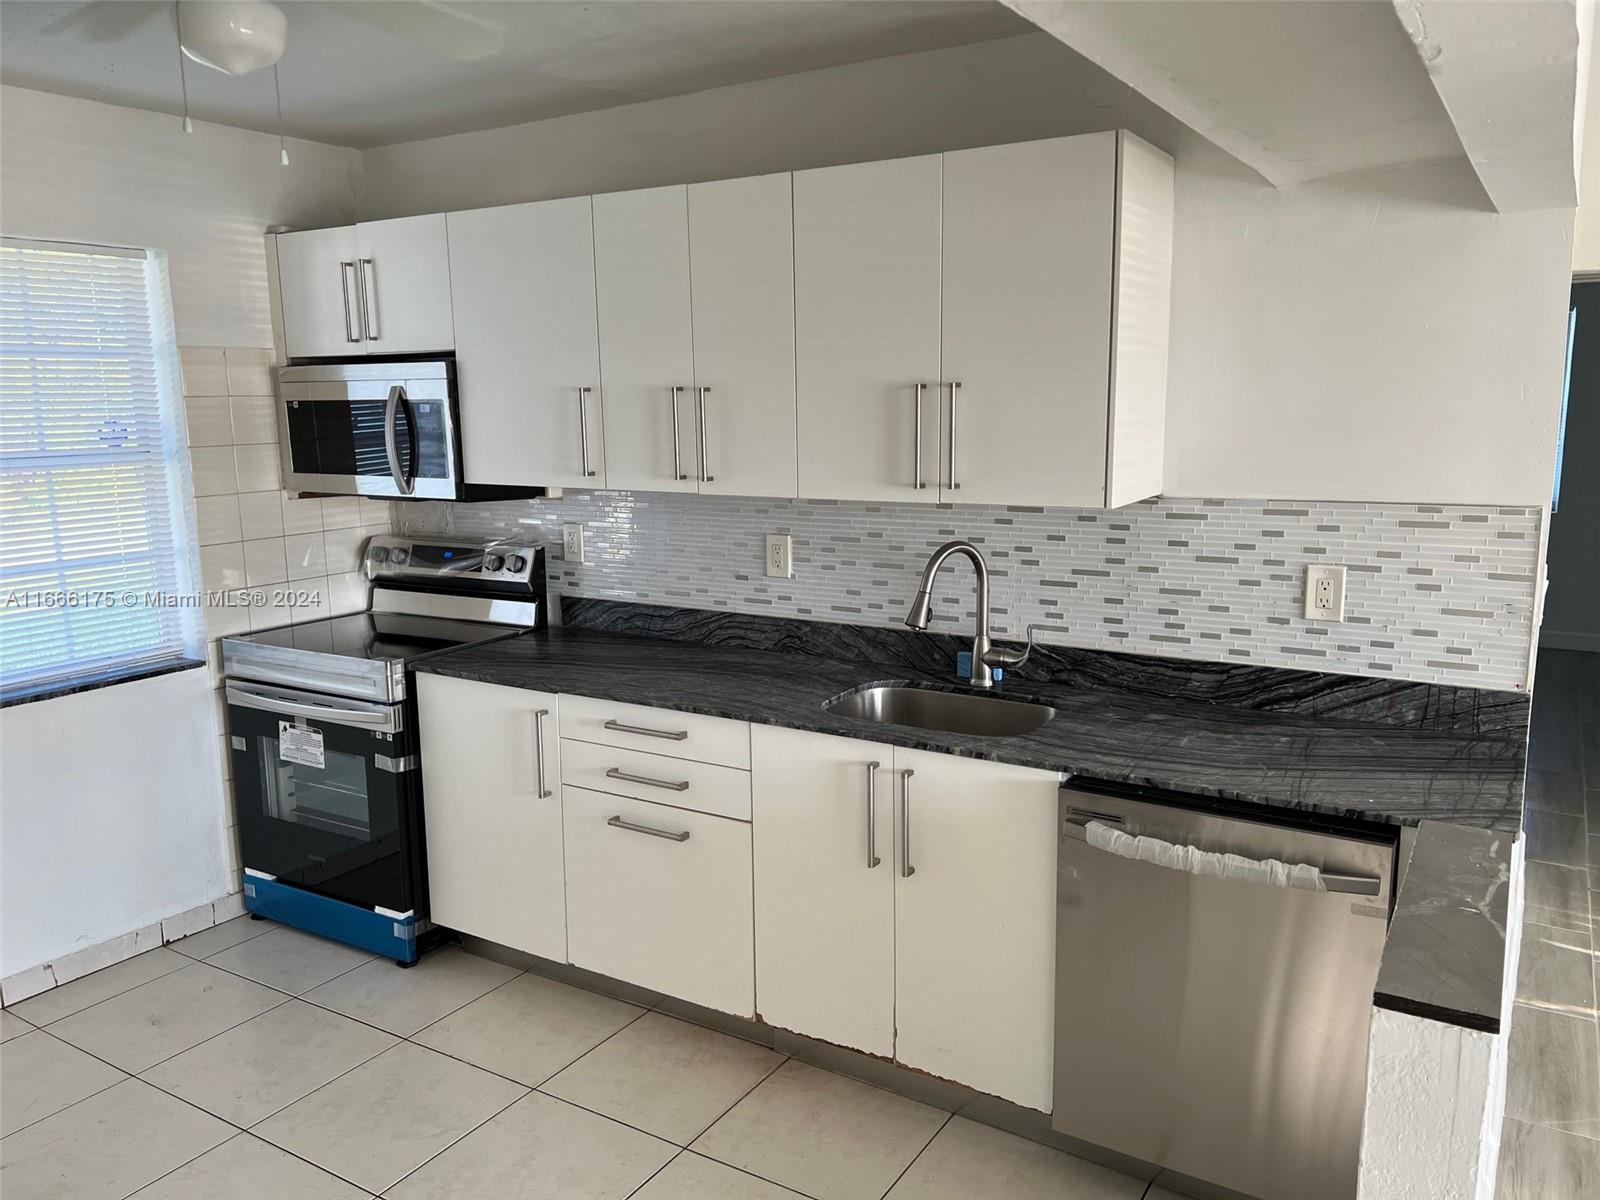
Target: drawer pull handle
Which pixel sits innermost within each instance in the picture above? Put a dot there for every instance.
(674, 735)
(617, 822)
(681, 785)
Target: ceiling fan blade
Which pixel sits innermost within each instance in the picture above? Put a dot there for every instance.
(452, 32)
(103, 20)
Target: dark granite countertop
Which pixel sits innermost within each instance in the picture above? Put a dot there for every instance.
(1377, 751)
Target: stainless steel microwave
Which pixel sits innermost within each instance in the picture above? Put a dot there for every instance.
(366, 428)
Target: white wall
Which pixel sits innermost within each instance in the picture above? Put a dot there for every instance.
(1382, 337)
(108, 815)
(81, 171)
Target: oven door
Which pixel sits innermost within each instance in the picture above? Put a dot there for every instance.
(327, 794)
(394, 438)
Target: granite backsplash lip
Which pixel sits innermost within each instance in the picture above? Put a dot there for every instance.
(1318, 762)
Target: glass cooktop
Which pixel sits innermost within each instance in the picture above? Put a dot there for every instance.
(390, 637)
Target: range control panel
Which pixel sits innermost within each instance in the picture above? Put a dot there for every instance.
(391, 557)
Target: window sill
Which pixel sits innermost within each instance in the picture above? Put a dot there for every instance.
(88, 683)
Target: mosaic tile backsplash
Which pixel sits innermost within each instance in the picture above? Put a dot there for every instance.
(1440, 594)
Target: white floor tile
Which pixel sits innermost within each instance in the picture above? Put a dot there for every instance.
(691, 1177)
(269, 1062)
(541, 1149)
(387, 1117)
(41, 1075)
(11, 1025)
(289, 960)
(822, 1134)
(665, 1076)
(156, 1020)
(108, 1145)
(219, 937)
(403, 1000)
(529, 1028)
(246, 1168)
(968, 1159)
(91, 989)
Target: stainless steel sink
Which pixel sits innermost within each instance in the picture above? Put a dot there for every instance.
(951, 712)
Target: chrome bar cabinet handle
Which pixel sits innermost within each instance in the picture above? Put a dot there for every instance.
(538, 750)
(906, 869)
(955, 395)
(346, 269)
(671, 785)
(367, 305)
(677, 460)
(872, 816)
(583, 431)
(674, 735)
(700, 411)
(916, 442)
(617, 822)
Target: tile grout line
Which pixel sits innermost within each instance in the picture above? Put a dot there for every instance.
(948, 1117)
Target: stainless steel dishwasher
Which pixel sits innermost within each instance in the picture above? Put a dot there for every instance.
(1212, 1013)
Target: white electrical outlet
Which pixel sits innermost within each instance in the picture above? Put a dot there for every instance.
(572, 543)
(1324, 592)
(780, 556)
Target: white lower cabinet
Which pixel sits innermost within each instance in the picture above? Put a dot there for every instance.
(974, 923)
(824, 888)
(660, 897)
(491, 776)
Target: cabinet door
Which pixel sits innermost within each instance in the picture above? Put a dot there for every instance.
(866, 261)
(641, 260)
(1028, 238)
(494, 833)
(405, 280)
(741, 257)
(824, 900)
(975, 923)
(522, 278)
(660, 897)
(317, 287)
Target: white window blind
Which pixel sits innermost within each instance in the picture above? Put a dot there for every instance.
(97, 567)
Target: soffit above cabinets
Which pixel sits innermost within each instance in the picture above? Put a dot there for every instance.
(379, 72)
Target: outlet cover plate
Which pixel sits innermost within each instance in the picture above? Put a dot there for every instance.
(572, 543)
(1324, 592)
(780, 556)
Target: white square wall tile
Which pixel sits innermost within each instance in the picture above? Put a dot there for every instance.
(305, 556)
(264, 562)
(217, 519)
(222, 567)
(209, 420)
(257, 467)
(213, 471)
(225, 619)
(310, 600)
(301, 515)
(205, 372)
(270, 616)
(255, 420)
(342, 549)
(341, 512)
(347, 593)
(249, 370)
(374, 511)
(261, 514)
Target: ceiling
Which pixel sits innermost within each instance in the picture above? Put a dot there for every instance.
(367, 73)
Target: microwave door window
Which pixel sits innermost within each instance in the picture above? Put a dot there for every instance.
(340, 438)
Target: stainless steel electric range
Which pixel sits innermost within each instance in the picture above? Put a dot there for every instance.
(322, 724)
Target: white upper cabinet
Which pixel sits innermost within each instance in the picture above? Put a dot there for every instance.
(527, 346)
(866, 251)
(824, 886)
(641, 260)
(741, 259)
(381, 287)
(975, 965)
(318, 290)
(405, 285)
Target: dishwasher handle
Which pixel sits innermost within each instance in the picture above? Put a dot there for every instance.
(1099, 830)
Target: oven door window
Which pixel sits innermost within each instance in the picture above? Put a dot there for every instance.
(319, 805)
(349, 436)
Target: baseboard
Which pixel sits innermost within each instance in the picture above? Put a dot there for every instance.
(31, 982)
(1551, 639)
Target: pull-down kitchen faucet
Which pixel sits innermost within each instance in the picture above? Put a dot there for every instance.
(985, 656)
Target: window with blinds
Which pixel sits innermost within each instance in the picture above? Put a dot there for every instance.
(97, 566)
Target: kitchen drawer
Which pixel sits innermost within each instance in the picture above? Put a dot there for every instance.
(668, 910)
(677, 734)
(721, 791)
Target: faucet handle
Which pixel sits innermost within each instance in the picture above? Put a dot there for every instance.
(996, 657)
